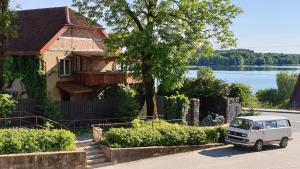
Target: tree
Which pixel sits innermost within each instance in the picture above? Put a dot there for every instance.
(285, 84)
(206, 72)
(160, 37)
(6, 30)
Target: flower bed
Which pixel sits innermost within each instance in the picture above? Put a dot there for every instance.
(160, 133)
(13, 141)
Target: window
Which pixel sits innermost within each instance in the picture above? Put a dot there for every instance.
(258, 125)
(281, 123)
(241, 123)
(271, 124)
(65, 67)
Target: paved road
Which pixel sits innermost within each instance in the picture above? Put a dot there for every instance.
(228, 157)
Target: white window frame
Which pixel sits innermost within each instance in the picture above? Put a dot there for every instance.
(63, 61)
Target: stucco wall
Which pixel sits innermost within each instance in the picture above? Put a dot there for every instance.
(52, 160)
(74, 39)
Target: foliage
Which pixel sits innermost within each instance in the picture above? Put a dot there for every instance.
(30, 70)
(285, 84)
(247, 57)
(160, 38)
(127, 103)
(206, 72)
(222, 130)
(212, 135)
(177, 106)
(205, 87)
(243, 92)
(14, 141)
(161, 133)
(279, 97)
(268, 96)
(196, 135)
(51, 110)
(7, 105)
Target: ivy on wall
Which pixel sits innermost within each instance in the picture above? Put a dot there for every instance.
(30, 70)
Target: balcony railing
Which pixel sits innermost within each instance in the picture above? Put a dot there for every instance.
(102, 78)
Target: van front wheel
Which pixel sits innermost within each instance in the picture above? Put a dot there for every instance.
(283, 142)
(258, 145)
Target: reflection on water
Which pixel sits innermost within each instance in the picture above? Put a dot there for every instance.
(257, 77)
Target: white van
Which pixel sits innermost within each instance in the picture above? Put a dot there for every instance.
(257, 131)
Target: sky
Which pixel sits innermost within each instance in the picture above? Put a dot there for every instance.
(265, 25)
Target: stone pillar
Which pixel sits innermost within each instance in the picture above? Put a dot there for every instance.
(192, 117)
(97, 134)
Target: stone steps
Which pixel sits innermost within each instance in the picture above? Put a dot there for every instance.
(95, 156)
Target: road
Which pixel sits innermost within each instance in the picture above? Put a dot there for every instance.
(229, 157)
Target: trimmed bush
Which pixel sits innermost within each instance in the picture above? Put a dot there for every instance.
(222, 130)
(161, 133)
(177, 106)
(196, 135)
(13, 141)
(212, 135)
(173, 135)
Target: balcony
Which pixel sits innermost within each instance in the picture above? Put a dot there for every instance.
(103, 78)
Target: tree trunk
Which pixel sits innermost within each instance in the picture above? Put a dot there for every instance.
(148, 81)
(3, 40)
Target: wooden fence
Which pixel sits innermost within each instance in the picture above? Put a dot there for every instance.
(75, 110)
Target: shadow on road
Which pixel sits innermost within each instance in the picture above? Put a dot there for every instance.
(232, 151)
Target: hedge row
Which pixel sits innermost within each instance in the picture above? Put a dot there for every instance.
(14, 141)
(164, 135)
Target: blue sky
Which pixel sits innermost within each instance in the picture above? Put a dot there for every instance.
(265, 25)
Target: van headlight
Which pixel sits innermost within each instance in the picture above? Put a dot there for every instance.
(245, 135)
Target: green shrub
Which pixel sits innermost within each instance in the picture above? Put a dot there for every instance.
(128, 105)
(51, 110)
(196, 135)
(27, 141)
(177, 106)
(212, 135)
(243, 92)
(161, 133)
(7, 105)
(268, 96)
(222, 130)
(173, 136)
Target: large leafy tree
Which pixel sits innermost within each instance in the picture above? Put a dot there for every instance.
(6, 30)
(159, 38)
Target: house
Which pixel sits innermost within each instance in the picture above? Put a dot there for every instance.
(72, 49)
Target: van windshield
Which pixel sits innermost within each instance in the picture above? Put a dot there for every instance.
(241, 123)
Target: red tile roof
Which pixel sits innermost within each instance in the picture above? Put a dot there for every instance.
(36, 27)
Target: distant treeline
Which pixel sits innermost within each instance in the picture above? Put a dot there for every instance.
(247, 57)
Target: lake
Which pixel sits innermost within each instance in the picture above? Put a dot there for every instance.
(257, 77)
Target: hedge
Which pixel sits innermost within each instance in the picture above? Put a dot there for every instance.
(163, 134)
(13, 141)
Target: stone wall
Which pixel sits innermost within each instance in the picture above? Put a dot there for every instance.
(118, 155)
(51, 160)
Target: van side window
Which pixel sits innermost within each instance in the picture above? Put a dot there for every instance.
(271, 124)
(282, 123)
(259, 125)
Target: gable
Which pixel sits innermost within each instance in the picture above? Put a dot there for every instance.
(37, 29)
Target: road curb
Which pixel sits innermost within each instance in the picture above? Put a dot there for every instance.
(274, 111)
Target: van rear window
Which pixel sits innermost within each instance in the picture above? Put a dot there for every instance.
(282, 123)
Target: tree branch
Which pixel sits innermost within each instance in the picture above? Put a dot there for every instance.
(134, 17)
